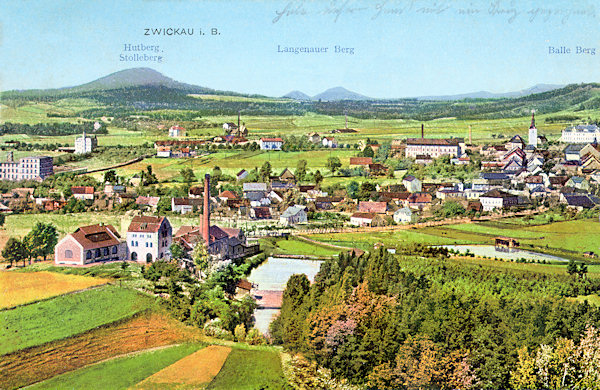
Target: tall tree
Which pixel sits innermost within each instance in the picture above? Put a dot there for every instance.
(265, 171)
(333, 163)
(301, 170)
(42, 239)
(14, 250)
(318, 178)
(188, 175)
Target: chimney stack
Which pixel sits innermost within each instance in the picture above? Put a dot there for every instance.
(422, 130)
(206, 211)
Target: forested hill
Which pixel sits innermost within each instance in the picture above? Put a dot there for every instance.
(420, 320)
(151, 92)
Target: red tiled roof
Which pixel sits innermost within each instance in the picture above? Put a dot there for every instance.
(271, 139)
(96, 236)
(372, 207)
(147, 200)
(433, 141)
(228, 195)
(361, 160)
(420, 197)
(363, 215)
(82, 190)
(145, 224)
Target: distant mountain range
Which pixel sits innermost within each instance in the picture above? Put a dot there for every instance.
(539, 88)
(147, 77)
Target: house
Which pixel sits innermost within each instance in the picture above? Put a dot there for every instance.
(573, 152)
(578, 182)
(90, 244)
(147, 202)
(404, 215)
(361, 161)
(85, 144)
(419, 200)
(260, 213)
(241, 175)
(474, 205)
(412, 184)
(185, 205)
(590, 162)
(361, 219)
(53, 205)
(223, 243)
(327, 202)
(329, 142)
(372, 207)
(230, 126)
(287, 176)
(515, 142)
(535, 181)
(558, 181)
(253, 187)
(276, 195)
(293, 215)
(176, 131)
(580, 201)
(595, 176)
(224, 196)
(110, 189)
(314, 138)
(83, 193)
(464, 159)
(149, 238)
(446, 193)
(271, 143)
(497, 199)
(163, 151)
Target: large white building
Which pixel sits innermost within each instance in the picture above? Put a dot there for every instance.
(271, 143)
(27, 168)
(581, 134)
(85, 144)
(433, 148)
(149, 238)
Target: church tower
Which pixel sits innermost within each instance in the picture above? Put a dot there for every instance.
(533, 137)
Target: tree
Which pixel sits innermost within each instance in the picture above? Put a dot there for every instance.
(265, 171)
(200, 257)
(352, 189)
(318, 178)
(301, 170)
(240, 333)
(217, 173)
(110, 176)
(368, 151)
(14, 250)
(177, 251)
(366, 188)
(572, 268)
(2, 219)
(42, 239)
(582, 271)
(333, 163)
(188, 175)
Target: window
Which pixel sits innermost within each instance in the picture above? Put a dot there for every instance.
(150, 245)
(97, 254)
(68, 254)
(105, 251)
(146, 245)
(114, 250)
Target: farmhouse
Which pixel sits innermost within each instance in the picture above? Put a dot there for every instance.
(149, 238)
(412, 184)
(90, 244)
(176, 131)
(404, 215)
(185, 205)
(271, 143)
(496, 199)
(372, 207)
(83, 193)
(293, 215)
(362, 219)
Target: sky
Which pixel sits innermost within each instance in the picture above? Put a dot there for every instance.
(401, 48)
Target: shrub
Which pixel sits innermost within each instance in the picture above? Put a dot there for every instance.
(240, 333)
(254, 337)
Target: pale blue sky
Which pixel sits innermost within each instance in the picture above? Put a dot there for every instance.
(409, 49)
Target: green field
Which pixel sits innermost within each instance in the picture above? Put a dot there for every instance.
(120, 373)
(67, 315)
(250, 369)
(297, 246)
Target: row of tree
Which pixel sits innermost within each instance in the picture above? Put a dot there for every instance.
(39, 242)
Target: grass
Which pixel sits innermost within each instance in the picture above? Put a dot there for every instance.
(296, 246)
(142, 332)
(17, 288)
(67, 315)
(250, 369)
(120, 373)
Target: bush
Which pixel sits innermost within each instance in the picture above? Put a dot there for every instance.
(254, 337)
(240, 333)
(214, 329)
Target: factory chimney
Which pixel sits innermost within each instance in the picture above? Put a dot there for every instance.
(206, 210)
(422, 130)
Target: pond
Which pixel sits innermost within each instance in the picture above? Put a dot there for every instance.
(273, 275)
(503, 253)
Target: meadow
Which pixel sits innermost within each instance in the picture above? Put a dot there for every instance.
(296, 246)
(122, 372)
(250, 369)
(68, 315)
(17, 288)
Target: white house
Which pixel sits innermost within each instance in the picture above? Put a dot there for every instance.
(362, 219)
(185, 205)
(293, 215)
(163, 151)
(581, 134)
(412, 184)
(271, 143)
(404, 215)
(314, 138)
(85, 144)
(496, 199)
(176, 131)
(329, 142)
(149, 238)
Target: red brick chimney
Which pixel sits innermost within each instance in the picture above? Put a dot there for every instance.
(422, 130)
(206, 211)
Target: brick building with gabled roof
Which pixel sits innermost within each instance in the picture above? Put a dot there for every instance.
(90, 244)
